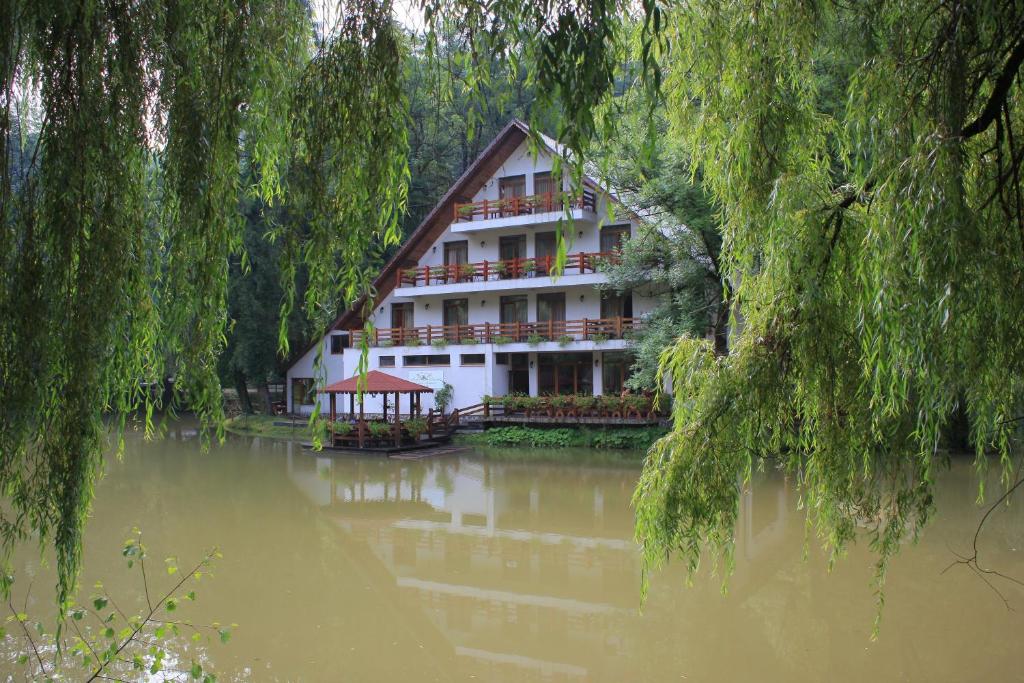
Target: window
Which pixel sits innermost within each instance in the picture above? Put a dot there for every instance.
(401, 316)
(456, 253)
(613, 237)
(512, 247)
(429, 359)
(565, 373)
(501, 359)
(471, 359)
(339, 342)
(543, 183)
(303, 393)
(386, 362)
(615, 372)
(512, 186)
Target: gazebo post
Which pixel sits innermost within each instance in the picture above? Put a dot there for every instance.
(385, 395)
(362, 423)
(334, 398)
(351, 406)
(397, 432)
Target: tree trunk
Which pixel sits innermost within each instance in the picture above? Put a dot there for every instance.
(721, 328)
(268, 404)
(243, 392)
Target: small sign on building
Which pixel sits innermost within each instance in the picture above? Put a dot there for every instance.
(428, 378)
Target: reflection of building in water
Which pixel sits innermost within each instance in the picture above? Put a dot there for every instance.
(517, 572)
(526, 573)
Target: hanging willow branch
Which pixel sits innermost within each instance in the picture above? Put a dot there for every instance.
(124, 129)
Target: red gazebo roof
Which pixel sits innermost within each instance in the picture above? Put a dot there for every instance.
(377, 382)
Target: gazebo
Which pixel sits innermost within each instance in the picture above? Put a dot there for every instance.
(377, 383)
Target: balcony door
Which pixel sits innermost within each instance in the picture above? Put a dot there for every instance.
(512, 186)
(455, 317)
(518, 373)
(402, 316)
(512, 247)
(547, 192)
(456, 253)
(546, 249)
(551, 314)
(512, 310)
(616, 306)
(613, 237)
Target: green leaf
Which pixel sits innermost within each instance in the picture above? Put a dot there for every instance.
(99, 602)
(172, 605)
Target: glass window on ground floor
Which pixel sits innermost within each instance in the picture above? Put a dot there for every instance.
(565, 373)
(303, 393)
(614, 372)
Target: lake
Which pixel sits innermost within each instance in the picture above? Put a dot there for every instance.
(465, 568)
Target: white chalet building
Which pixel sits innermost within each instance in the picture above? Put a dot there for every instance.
(468, 301)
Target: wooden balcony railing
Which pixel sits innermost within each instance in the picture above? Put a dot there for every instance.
(561, 331)
(546, 202)
(509, 269)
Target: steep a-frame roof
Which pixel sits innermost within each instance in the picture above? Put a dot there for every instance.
(440, 217)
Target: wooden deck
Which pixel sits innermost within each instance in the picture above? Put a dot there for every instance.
(566, 420)
(424, 449)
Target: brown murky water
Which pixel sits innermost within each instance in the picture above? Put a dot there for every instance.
(463, 568)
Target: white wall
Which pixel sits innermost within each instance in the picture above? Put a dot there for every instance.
(332, 370)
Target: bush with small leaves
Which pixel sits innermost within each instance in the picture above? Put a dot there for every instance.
(565, 340)
(535, 339)
(439, 343)
(106, 643)
(416, 427)
(380, 430)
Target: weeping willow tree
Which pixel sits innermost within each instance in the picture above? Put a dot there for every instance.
(122, 129)
(866, 160)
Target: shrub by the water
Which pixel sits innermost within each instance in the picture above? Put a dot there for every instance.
(532, 437)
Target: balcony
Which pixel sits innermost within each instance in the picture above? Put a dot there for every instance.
(516, 211)
(535, 333)
(511, 269)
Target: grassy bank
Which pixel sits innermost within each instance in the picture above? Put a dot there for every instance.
(636, 439)
(263, 425)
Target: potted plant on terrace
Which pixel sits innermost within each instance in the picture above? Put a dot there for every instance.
(529, 267)
(409, 275)
(585, 404)
(565, 340)
(560, 405)
(438, 274)
(467, 271)
(500, 269)
(379, 430)
(535, 339)
(416, 427)
(439, 343)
